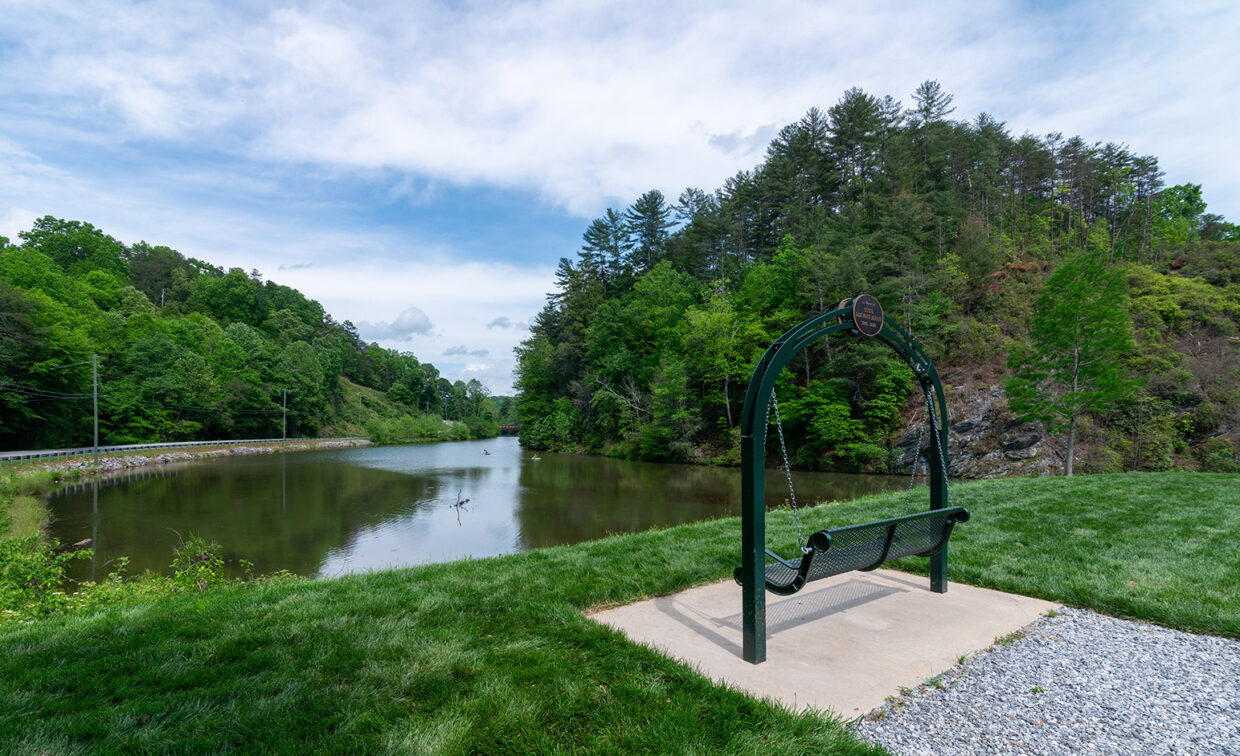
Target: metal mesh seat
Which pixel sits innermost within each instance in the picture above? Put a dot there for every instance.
(863, 547)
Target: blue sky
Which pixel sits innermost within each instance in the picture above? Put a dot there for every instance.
(420, 167)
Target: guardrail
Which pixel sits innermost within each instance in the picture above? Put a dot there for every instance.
(45, 455)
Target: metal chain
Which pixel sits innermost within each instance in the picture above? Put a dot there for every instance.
(783, 449)
(912, 473)
(938, 448)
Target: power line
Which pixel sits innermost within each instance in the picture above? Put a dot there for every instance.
(32, 400)
(37, 394)
(33, 391)
(21, 389)
(44, 394)
(48, 370)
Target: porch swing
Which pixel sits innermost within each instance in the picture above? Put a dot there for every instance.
(864, 546)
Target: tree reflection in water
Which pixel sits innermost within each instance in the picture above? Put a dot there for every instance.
(352, 510)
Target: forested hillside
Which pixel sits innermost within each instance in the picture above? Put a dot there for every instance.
(1063, 290)
(186, 350)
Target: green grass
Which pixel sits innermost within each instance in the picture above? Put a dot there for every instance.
(496, 656)
(24, 518)
(1160, 547)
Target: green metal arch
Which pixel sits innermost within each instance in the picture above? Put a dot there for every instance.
(754, 420)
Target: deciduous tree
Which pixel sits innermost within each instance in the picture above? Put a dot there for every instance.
(1079, 335)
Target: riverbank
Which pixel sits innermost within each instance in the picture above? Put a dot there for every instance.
(496, 654)
(110, 463)
(34, 567)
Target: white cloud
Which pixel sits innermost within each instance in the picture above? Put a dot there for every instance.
(409, 323)
(461, 350)
(490, 374)
(460, 298)
(589, 104)
(14, 220)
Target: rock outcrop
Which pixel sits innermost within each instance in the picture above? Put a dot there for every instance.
(984, 440)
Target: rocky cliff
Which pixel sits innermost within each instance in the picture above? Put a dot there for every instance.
(984, 440)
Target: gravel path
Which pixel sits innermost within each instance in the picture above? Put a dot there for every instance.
(1077, 683)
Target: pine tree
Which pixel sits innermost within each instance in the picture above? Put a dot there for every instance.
(606, 247)
(648, 221)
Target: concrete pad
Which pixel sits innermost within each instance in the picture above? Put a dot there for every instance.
(843, 644)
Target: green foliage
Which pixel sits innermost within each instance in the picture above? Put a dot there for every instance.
(720, 347)
(1219, 455)
(197, 565)
(26, 516)
(827, 417)
(186, 350)
(955, 226)
(481, 427)
(555, 430)
(669, 434)
(852, 439)
(1164, 307)
(1079, 334)
(406, 428)
(32, 576)
(77, 247)
(647, 223)
(1179, 212)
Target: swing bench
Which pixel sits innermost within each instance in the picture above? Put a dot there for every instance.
(834, 551)
(865, 547)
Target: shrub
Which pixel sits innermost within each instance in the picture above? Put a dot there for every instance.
(197, 565)
(482, 427)
(32, 576)
(1218, 455)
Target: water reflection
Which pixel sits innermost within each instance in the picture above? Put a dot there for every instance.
(576, 499)
(351, 510)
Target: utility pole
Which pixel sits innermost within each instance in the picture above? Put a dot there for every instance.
(284, 418)
(359, 411)
(94, 380)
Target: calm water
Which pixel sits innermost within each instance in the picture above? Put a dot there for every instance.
(351, 510)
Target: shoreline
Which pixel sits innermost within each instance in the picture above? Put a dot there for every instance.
(85, 467)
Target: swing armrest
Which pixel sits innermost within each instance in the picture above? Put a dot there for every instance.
(820, 541)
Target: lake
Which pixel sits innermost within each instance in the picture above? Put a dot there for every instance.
(333, 512)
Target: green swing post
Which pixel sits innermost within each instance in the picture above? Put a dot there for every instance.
(938, 489)
(753, 545)
(861, 315)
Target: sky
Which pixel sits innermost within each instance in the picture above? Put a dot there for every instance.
(420, 167)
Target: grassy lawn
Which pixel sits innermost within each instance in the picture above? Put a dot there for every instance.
(495, 656)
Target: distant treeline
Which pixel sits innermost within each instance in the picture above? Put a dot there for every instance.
(645, 347)
(187, 350)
